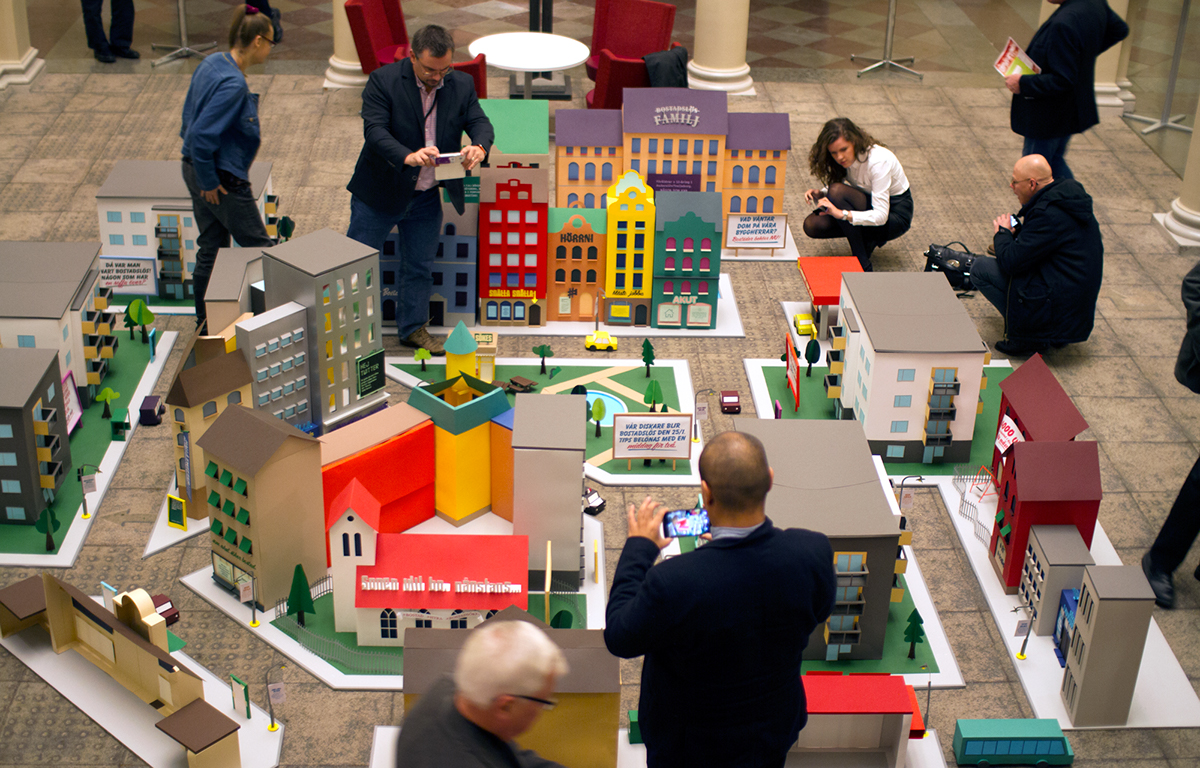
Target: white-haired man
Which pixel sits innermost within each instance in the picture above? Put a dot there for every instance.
(504, 678)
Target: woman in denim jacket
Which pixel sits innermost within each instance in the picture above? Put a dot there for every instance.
(220, 139)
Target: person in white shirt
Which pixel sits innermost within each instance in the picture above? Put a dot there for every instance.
(866, 198)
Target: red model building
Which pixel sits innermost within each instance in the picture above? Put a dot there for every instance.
(1038, 408)
(512, 245)
(1043, 483)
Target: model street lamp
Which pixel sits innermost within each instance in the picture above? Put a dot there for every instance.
(88, 484)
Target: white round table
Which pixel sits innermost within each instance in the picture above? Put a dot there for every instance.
(530, 52)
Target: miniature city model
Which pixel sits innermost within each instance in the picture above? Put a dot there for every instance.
(865, 716)
(230, 291)
(1033, 406)
(581, 730)
(825, 480)
(274, 347)
(264, 497)
(131, 646)
(1043, 484)
(145, 211)
(913, 366)
(336, 280)
(1113, 617)
(1054, 561)
(50, 299)
(33, 424)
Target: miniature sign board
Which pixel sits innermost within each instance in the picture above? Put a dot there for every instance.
(371, 376)
(673, 182)
(177, 512)
(793, 371)
(109, 594)
(277, 693)
(652, 436)
(241, 695)
(701, 411)
(1014, 61)
(245, 589)
(72, 408)
(1007, 434)
(129, 274)
(756, 231)
(89, 483)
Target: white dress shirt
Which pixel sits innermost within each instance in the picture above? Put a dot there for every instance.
(880, 176)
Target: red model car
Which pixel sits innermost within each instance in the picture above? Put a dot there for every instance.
(731, 401)
(165, 608)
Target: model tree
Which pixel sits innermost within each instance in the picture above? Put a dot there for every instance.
(579, 389)
(543, 351)
(598, 413)
(421, 355)
(130, 323)
(647, 355)
(555, 371)
(914, 633)
(654, 394)
(285, 228)
(142, 316)
(300, 599)
(812, 353)
(48, 523)
(106, 396)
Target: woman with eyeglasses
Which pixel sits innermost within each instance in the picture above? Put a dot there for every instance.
(220, 139)
(865, 198)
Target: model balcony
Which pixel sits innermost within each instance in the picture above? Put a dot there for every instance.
(172, 269)
(51, 474)
(97, 369)
(835, 358)
(937, 438)
(168, 253)
(43, 420)
(842, 636)
(833, 385)
(91, 346)
(98, 323)
(271, 205)
(108, 346)
(837, 337)
(47, 446)
(848, 608)
(102, 298)
(937, 388)
(901, 562)
(943, 414)
(169, 232)
(853, 578)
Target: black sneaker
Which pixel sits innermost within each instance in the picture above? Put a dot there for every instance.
(126, 53)
(274, 14)
(104, 57)
(1019, 348)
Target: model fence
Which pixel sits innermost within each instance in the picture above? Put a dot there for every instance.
(968, 510)
(318, 588)
(355, 661)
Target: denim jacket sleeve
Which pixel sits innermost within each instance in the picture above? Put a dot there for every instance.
(224, 107)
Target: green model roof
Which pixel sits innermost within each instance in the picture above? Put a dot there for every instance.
(557, 219)
(1009, 728)
(522, 127)
(460, 341)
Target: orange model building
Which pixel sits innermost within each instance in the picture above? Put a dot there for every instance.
(577, 248)
(756, 152)
(589, 156)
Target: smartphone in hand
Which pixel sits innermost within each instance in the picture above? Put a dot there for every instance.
(685, 522)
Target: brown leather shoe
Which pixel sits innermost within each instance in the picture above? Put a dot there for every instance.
(421, 338)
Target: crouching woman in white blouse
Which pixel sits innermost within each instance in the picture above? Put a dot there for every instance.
(866, 198)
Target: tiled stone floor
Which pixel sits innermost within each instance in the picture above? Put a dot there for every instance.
(60, 136)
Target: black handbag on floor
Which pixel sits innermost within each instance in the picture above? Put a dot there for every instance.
(954, 264)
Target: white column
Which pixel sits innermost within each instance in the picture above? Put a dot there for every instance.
(18, 59)
(345, 70)
(1182, 224)
(1125, 94)
(720, 55)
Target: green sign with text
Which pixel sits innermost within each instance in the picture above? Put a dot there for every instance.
(371, 377)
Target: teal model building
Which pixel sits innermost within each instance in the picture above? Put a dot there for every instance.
(687, 259)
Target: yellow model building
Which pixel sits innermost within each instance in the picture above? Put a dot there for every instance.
(630, 249)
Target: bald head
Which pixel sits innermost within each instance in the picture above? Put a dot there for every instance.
(1033, 167)
(734, 468)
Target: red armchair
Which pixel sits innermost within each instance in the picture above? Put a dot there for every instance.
(630, 29)
(477, 69)
(380, 36)
(613, 77)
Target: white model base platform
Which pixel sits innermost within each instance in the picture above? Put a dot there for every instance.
(729, 324)
(922, 753)
(129, 719)
(201, 582)
(683, 387)
(164, 535)
(1163, 696)
(789, 252)
(68, 549)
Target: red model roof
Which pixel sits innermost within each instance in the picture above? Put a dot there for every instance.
(451, 558)
(823, 275)
(1057, 471)
(856, 694)
(354, 496)
(1045, 410)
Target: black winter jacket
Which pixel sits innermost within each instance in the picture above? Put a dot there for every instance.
(1187, 366)
(1054, 261)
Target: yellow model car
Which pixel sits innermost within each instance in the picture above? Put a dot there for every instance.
(600, 340)
(804, 325)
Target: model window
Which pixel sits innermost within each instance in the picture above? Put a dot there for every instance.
(10, 486)
(299, 358)
(895, 451)
(275, 369)
(899, 426)
(712, 146)
(387, 624)
(139, 240)
(751, 204)
(209, 409)
(635, 145)
(572, 199)
(591, 275)
(289, 388)
(6, 430)
(589, 172)
(754, 174)
(298, 335)
(264, 398)
(712, 167)
(286, 364)
(606, 172)
(651, 166)
(737, 172)
(634, 165)
(902, 401)
(114, 217)
(26, 341)
(735, 204)
(301, 382)
(458, 623)
(424, 623)
(944, 375)
(519, 310)
(273, 345)
(234, 398)
(619, 281)
(906, 374)
(302, 406)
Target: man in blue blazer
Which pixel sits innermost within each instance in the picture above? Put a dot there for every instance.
(722, 628)
(412, 111)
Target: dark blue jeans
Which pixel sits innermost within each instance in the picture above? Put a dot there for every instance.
(988, 280)
(1055, 152)
(120, 31)
(1181, 526)
(236, 215)
(419, 227)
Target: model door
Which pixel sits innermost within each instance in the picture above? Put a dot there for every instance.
(437, 312)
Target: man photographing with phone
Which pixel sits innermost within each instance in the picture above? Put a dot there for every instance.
(722, 628)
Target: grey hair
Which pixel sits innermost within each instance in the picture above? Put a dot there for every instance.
(507, 657)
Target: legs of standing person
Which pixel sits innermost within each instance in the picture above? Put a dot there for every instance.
(1055, 152)
(1176, 537)
(93, 27)
(419, 231)
(988, 280)
(120, 32)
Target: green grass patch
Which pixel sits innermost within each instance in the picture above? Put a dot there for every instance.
(895, 659)
(321, 624)
(815, 405)
(88, 442)
(574, 603)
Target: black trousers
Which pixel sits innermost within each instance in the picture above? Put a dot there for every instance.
(1181, 527)
(120, 31)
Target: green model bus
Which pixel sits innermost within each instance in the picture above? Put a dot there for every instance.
(1011, 742)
